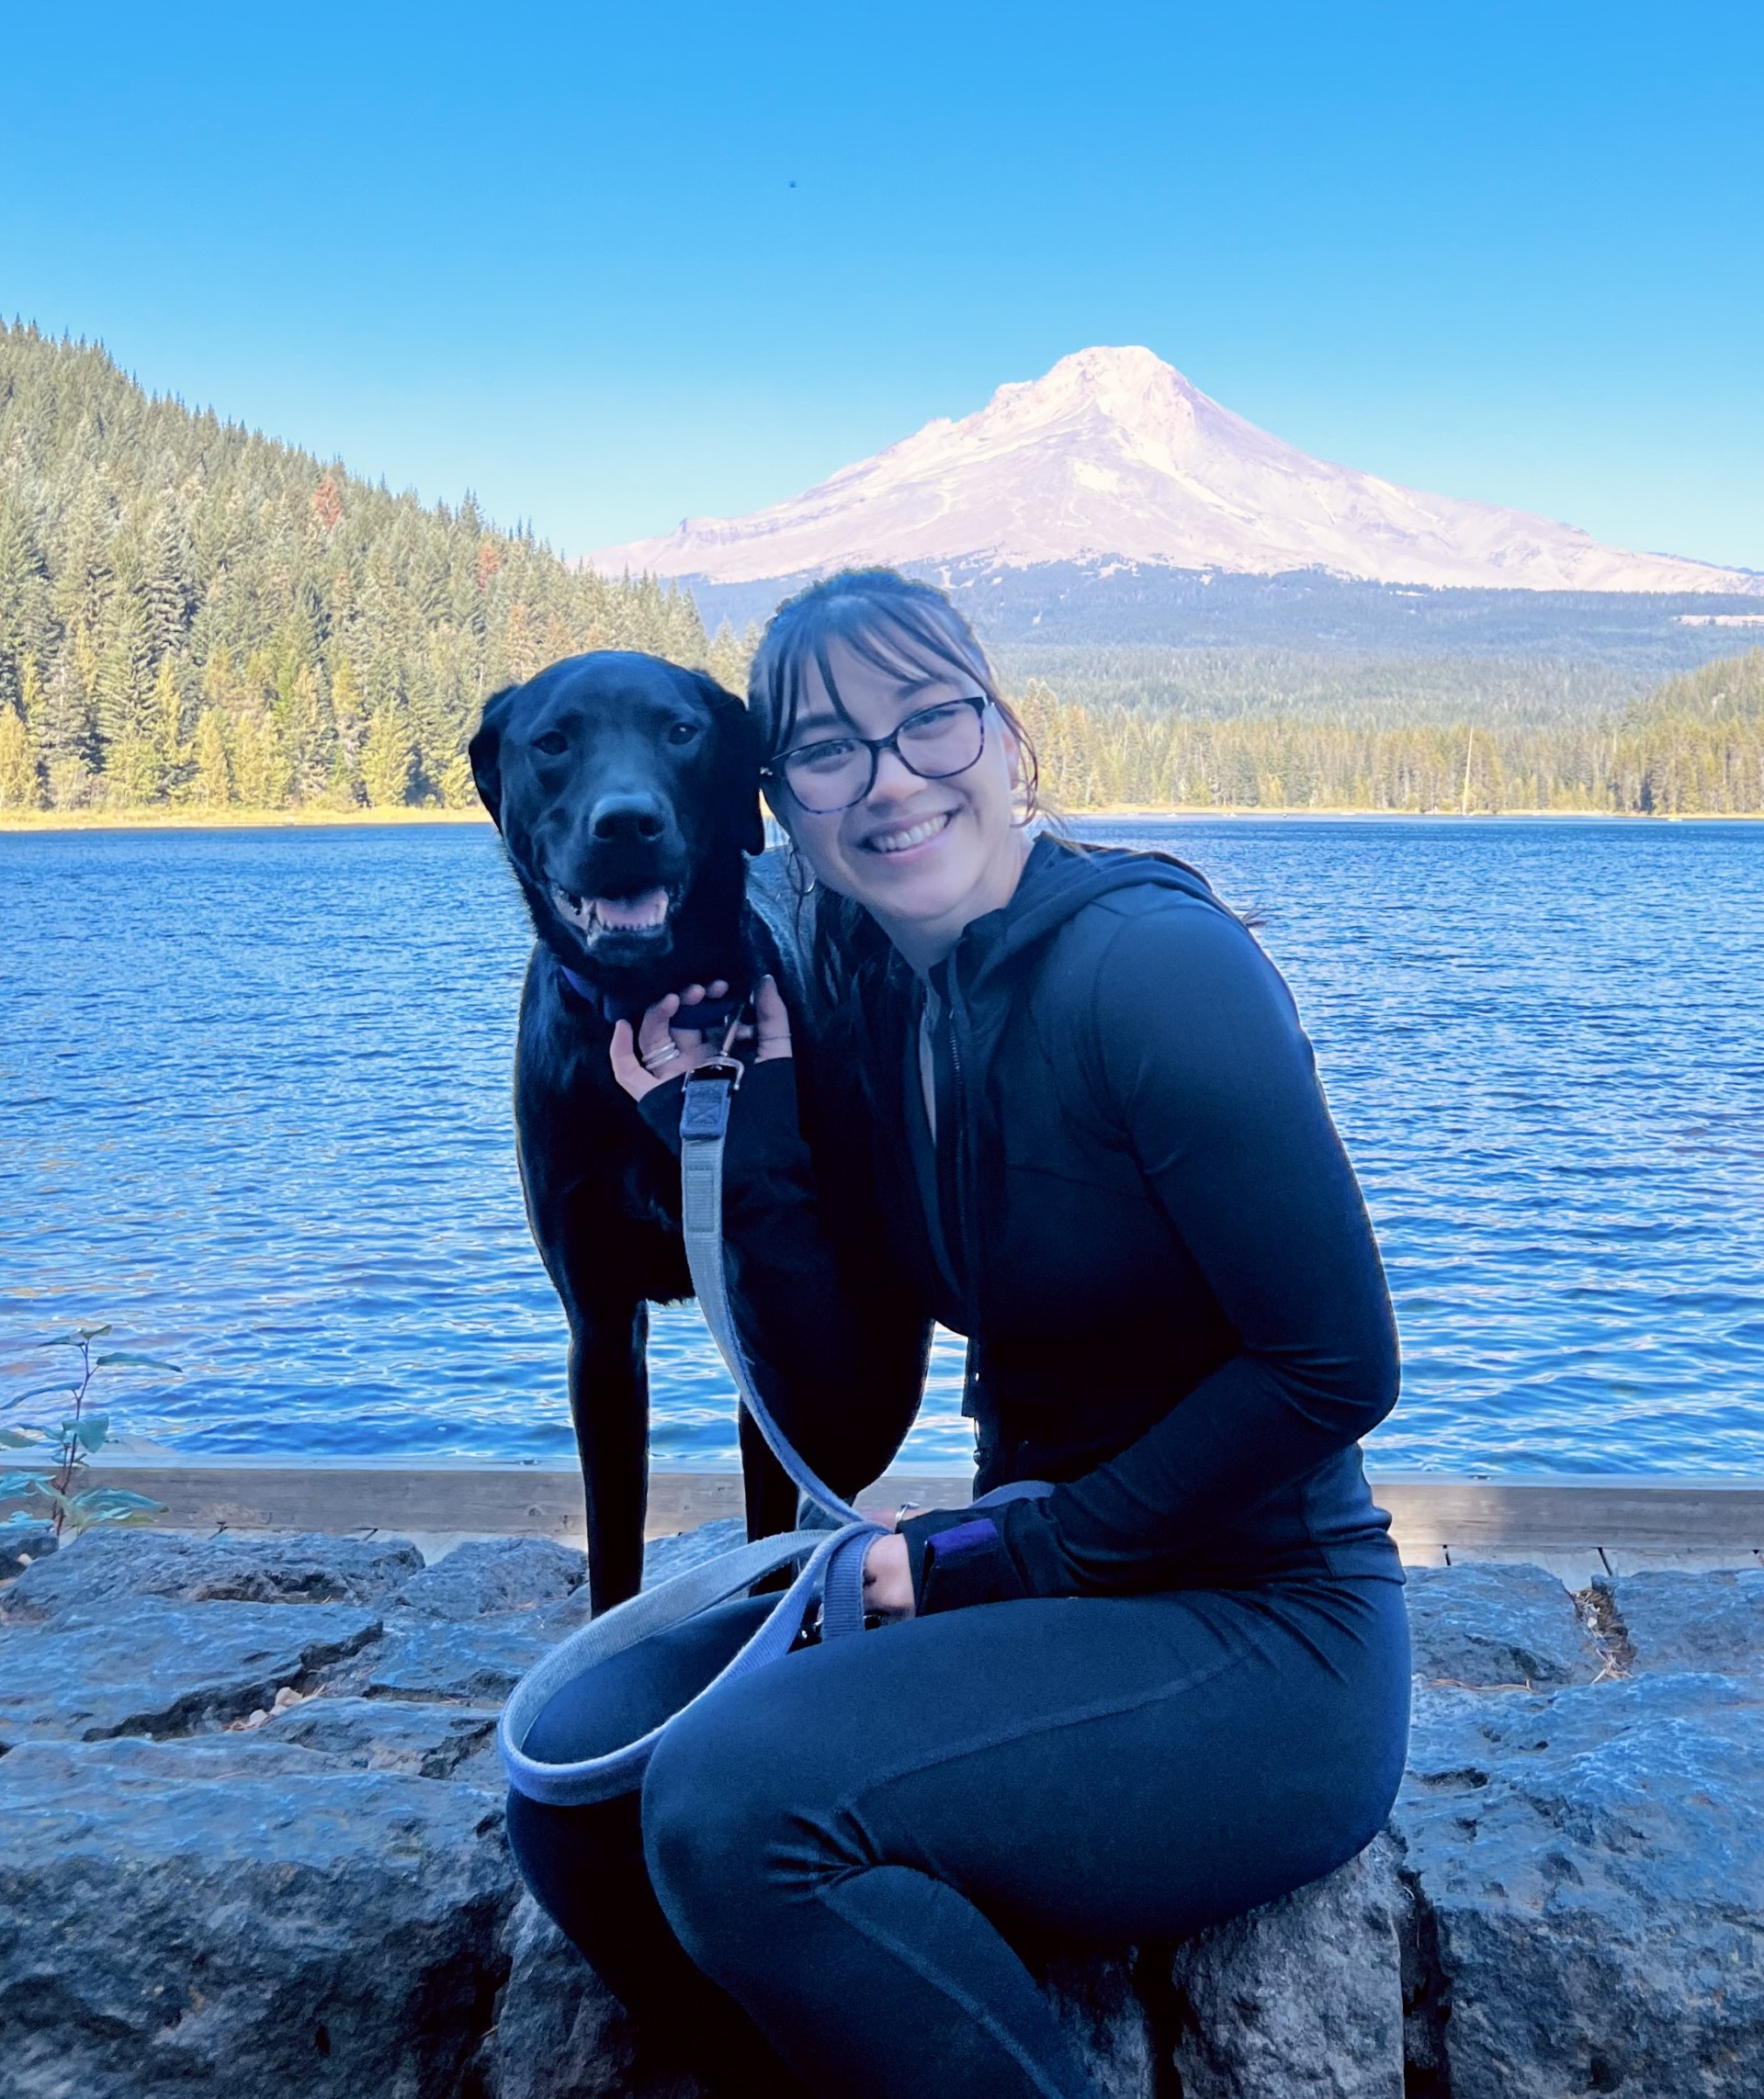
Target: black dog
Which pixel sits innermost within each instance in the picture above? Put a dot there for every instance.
(627, 794)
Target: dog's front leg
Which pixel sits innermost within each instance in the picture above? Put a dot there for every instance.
(609, 1403)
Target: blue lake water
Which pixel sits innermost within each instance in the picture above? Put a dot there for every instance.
(255, 1110)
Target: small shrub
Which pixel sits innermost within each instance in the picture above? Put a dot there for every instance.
(73, 1442)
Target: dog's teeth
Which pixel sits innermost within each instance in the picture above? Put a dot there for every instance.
(631, 914)
(646, 912)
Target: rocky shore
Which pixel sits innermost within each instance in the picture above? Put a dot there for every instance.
(251, 1829)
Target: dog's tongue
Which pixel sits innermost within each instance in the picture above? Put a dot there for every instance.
(632, 914)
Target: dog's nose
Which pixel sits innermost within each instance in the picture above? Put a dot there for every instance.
(635, 817)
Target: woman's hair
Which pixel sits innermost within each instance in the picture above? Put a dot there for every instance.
(902, 627)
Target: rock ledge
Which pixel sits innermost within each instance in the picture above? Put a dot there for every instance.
(250, 1815)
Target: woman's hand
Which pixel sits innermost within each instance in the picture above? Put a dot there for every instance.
(887, 1579)
(665, 1045)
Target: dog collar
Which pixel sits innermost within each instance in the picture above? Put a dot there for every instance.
(712, 1016)
(605, 1004)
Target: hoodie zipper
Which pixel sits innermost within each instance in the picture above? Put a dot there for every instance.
(963, 1140)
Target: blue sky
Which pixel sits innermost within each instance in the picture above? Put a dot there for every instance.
(553, 253)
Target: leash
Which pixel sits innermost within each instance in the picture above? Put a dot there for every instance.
(831, 1578)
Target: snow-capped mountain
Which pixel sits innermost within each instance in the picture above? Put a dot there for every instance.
(1114, 455)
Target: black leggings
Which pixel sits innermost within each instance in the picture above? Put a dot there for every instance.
(838, 1850)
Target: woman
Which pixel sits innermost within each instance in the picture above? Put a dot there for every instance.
(1061, 1101)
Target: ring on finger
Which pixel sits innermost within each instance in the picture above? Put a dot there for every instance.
(665, 1054)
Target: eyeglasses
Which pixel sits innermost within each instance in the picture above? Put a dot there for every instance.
(836, 772)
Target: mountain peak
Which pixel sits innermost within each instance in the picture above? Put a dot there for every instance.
(1128, 371)
(1113, 454)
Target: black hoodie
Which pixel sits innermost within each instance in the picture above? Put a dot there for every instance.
(1137, 1210)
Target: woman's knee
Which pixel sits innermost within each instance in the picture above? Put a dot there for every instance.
(730, 1826)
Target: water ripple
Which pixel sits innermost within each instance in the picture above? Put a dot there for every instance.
(254, 1107)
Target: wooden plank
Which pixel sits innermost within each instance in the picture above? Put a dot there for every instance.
(1732, 1559)
(1675, 1514)
(1575, 1566)
(463, 1501)
(1467, 1518)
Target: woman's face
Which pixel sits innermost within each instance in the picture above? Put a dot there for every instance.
(924, 857)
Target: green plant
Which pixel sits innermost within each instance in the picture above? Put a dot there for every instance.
(78, 1435)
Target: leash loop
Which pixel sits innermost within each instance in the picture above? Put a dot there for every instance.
(831, 1574)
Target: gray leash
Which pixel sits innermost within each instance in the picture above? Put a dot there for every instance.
(832, 1577)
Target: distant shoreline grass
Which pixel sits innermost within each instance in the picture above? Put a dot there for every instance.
(161, 819)
(20, 821)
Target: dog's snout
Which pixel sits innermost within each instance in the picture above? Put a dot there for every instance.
(634, 819)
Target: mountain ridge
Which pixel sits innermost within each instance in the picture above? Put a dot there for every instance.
(1114, 455)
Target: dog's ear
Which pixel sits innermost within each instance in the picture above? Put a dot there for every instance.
(742, 744)
(485, 751)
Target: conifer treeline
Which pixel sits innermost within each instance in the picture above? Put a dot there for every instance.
(191, 613)
(194, 615)
(1695, 747)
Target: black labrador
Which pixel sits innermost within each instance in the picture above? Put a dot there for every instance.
(627, 794)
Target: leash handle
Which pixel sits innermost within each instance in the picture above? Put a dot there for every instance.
(833, 1572)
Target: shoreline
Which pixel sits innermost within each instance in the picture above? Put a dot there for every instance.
(22, 822)
(1594, 1523)
(28, 823)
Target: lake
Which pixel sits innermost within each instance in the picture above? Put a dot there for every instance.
(255, 1111)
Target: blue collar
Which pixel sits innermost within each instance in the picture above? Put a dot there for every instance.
(712, 1014)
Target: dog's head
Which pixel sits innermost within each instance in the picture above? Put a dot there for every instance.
(627, 791)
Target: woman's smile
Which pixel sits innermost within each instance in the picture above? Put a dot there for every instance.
(924, 853)
(897, 841)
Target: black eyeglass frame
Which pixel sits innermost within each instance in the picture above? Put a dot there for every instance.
(773, 774)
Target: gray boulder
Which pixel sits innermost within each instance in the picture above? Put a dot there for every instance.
(489, 1575)
(1587, 1872)
(179, 1567)
(474, 1662)
(1490, 1625)
(192, 1916)
(1302, 1999)
(1693, 1621)
(381, 1734)
(666, 1557)
(1096, 1999)
(483, 1618)
(150, 1668)
(561, 2034)
(1568, 1902)
(21, 1544)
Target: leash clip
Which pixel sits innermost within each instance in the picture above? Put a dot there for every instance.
(703, 1102)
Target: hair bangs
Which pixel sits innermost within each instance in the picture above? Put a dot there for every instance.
(907, 630)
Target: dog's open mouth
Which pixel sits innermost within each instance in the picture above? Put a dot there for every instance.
(641, 917)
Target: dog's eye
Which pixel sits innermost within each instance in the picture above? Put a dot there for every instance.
(553, 743)
(682, 731)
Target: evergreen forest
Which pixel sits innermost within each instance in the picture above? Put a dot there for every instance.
(1693, 747)
(191, 613)
(196, 617)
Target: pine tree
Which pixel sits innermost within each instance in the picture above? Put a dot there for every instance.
(24, 601)
(124, 683)
(349, 719)
(211, 783)
(388, 758)
(728, 655)
(306, 733)
(167, 719)
(165, 594)
(19, 785)
(261, 771)
(34, 707)
(66, 741)
(459, 785)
